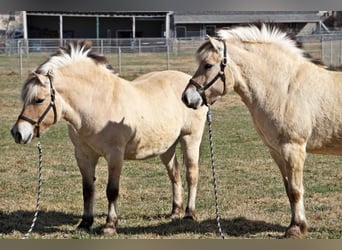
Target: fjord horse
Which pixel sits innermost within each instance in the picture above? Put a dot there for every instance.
(113, 118)
(296, 106)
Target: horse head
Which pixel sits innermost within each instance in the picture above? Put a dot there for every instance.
(209, 81)
(40, 109)
(42, 105)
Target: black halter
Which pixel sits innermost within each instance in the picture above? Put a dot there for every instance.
(221, 75)
(41, 118)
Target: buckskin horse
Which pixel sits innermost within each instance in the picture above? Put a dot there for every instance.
(113, 118)
(295, 104)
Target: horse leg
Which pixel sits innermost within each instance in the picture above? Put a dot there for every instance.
(281, 165)
(115, 162)
(87, 169)
(291, 163)
(190, 146)
(86, 160)
(169, 159)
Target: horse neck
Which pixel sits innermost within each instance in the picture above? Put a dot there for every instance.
(83, 96)
(261, 76)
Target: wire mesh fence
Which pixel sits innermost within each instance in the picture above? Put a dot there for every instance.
(134, 57)
(126, 56)
(326, 47)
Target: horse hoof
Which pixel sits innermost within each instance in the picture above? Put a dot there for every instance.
(84, 226)
(177, 209)
(294, 232)
(84, 230)
(175, 216)
(109, 231)
(190, 216)
(176, 212)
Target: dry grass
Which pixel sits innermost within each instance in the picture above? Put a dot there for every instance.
(252, 199)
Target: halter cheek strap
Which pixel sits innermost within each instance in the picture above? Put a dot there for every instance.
(42, 116)
(221, 75)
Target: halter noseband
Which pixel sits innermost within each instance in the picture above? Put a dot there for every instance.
(221, 75)
(41, 118)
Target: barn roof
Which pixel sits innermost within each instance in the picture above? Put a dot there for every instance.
(245, 17)
(100, 14)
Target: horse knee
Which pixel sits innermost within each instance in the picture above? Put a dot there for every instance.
(112, 193)
(192, 180)
(192, 174)
(88, 190)
(172, 166)
(295, 194)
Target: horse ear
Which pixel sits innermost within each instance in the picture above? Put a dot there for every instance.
(42, 78)
(86, 44)
(214, 42)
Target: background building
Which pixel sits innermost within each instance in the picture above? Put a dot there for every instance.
(167, 24)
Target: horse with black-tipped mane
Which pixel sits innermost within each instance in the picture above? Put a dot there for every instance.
(113, 118)
(296, 105)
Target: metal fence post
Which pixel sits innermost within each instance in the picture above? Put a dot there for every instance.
(20, 52)
(167, 56)
(322, 50)
(119, 59)
(102, 46)
(331, 53)
(139, 46)
(340, 52)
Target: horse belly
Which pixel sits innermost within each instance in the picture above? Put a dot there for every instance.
(326, 148)
(149, 145)
(325, 143)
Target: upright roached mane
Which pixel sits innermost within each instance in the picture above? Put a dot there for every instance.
(295, 103)
(64, 56)
(116, 119)
(70, 54)
(264, 34)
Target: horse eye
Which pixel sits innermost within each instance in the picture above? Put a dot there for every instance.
(208, 66)
(39, 100)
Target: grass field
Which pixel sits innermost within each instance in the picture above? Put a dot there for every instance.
(252, 200)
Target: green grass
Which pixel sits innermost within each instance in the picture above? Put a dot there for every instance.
(252, 200)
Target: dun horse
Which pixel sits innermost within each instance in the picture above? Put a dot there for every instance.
(114, 118)
(295, 104)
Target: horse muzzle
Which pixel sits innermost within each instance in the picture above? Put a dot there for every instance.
(192, 98)
(22, 133)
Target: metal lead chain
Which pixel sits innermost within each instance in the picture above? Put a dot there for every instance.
(209, 120)
(38, 192)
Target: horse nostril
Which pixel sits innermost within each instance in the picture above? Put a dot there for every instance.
(16, 135)
(185, 99)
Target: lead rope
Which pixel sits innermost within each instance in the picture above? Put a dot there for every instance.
(214, 172)
(39, 146)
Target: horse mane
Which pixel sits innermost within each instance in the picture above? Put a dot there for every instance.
(74, 50)
(266, 33)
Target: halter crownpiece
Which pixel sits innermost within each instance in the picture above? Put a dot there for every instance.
(202, 89)
(51, 105)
